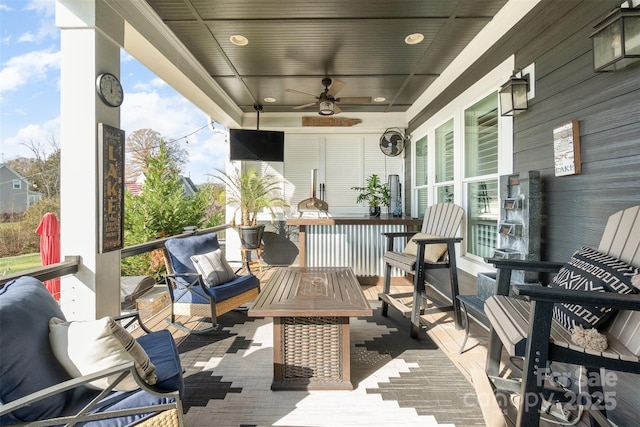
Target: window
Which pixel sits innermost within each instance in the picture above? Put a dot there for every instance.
(421, 162)
(422, 176)
(461, 152)
(481, 175)
(17, 184)
(444, 152)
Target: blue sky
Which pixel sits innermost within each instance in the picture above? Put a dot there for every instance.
(30, 93)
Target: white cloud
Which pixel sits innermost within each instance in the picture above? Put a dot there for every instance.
(46, 26)
(21, 70)
(43, 132)
(156, 83)
(5, 7)
(174, 117)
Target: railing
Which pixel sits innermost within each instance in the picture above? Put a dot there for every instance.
(48, 272)
(71, 263)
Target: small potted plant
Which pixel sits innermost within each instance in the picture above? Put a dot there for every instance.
(376, 194)
(250, 193)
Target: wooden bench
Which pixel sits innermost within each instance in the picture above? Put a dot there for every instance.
(526, 328)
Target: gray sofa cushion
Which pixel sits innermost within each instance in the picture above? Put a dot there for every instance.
(25, 309)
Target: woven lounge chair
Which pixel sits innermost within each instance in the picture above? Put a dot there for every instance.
(526, 325)
(441, 223)
(189, 292)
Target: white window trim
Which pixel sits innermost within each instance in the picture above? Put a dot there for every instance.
(455, 109)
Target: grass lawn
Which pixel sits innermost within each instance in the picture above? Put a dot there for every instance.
(19, 263)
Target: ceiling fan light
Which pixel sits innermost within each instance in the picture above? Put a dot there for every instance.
(326, 107)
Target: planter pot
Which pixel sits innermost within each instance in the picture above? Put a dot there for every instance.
(374, 210)
(250, 236)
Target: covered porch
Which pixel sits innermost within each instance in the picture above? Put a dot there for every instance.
(437, 165)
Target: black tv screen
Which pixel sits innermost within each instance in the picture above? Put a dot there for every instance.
(263, 145)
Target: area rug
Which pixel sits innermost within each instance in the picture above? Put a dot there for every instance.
(398, 381)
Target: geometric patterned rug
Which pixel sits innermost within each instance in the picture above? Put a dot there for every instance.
(397, 380)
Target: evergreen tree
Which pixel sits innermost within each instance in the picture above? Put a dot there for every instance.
(161, 210)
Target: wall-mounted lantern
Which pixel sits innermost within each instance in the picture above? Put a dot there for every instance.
(513, 94)
(616, 40)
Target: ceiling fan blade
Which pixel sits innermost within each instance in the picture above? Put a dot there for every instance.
(299, 107)
(354, 100)
(300, 92)
(336, 109)
(336, 87)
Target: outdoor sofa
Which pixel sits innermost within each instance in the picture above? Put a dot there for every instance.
(35, 386)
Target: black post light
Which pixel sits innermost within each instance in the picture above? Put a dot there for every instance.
(616, 40)
(513, 94)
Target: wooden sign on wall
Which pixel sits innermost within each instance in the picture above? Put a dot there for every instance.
(329, 121)
(566, 149)
(111, 176)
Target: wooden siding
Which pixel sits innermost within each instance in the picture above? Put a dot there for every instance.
(575, 208)
(555, 36)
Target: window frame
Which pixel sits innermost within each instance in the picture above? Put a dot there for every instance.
(455, 110)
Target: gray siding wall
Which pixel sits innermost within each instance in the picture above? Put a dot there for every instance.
(11, 200)
(555, 36)
(575, 208)
(607, 106)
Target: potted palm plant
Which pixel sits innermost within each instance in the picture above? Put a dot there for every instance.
(251, 193)
(376, 194)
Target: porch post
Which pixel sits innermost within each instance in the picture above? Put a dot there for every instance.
(85, 52)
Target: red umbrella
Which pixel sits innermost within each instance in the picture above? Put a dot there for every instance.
(49, 231)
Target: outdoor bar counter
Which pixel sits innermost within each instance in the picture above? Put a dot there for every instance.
(349, 241)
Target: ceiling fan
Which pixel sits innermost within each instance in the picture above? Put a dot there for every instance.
(327, 101)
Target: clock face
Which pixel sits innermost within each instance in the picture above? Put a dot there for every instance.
(110, 89)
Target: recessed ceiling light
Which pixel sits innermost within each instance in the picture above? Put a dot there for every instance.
(414, 38)
(269, 99)
(239, 40)
(379, 99)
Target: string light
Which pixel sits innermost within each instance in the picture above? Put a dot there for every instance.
(189, 134)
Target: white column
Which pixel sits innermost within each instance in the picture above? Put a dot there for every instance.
(85, 52)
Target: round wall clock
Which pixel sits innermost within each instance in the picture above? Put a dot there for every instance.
(109, 89)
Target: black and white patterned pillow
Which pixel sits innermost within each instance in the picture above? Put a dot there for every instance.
(590, 270)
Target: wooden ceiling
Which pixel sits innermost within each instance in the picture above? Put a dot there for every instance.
(295, 44)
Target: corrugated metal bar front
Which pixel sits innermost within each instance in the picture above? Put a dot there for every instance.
(359, 246)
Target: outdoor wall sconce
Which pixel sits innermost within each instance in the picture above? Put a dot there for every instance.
(513, 94)
(616, 40)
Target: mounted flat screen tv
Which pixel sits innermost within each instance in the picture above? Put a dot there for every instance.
(263, 145)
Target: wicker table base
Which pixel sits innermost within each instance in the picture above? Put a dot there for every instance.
(311, 309)
(311, 353)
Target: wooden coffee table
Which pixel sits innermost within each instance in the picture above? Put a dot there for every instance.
(311, 307)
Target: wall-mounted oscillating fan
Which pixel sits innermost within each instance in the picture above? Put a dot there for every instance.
(392, 142)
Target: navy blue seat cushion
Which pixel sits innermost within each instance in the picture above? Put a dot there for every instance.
(220, 292)
(160, 348)
(27, 362)
(181, 249)
(235, 287)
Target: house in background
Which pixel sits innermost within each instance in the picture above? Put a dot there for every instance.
(188, 186)
(15, 195)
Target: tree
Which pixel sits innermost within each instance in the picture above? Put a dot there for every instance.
(143, 145)
(161, 210)
(43, 170)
